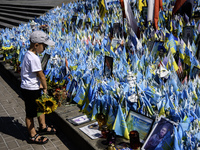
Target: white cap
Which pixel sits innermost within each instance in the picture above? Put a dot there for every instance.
(41, 37)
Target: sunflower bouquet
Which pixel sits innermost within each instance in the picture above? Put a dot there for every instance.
(46, 104)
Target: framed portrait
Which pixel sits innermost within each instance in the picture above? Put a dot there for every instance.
(108, 66)
(188, 34)
(161, 135)
(140, 123)
(45, 60)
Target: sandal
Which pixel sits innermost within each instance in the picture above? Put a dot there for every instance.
(38, 140)
(45, 130)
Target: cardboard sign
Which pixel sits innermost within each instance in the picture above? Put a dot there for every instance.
(188, 34)
(45, 60)
(108, 66)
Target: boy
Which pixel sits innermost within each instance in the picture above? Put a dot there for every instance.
(31, 78)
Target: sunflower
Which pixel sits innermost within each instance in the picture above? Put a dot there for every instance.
(41, 106)
(50, 103)
(46, 104)
(47, 110)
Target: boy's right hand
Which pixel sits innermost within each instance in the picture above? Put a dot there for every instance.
(45, 91)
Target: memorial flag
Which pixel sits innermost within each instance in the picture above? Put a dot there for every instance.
(177, 5)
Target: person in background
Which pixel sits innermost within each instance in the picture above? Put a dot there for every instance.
(32, 79)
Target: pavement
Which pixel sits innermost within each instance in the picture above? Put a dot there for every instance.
(13, 133)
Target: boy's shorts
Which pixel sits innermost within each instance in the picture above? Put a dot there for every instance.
(29, 97)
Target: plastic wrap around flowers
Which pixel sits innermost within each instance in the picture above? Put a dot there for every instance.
(46, 104)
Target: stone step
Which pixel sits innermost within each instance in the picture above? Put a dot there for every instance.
(40, 3)
(25, 9)
(20, 13)
(26, 5)
(14, 22)
(16, 16)
(6, 25)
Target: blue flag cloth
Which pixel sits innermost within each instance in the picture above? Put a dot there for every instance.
(120, 126)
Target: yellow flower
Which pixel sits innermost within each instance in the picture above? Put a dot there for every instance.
(47, 110)
(46, 104)
(40, 105)
(50, 103)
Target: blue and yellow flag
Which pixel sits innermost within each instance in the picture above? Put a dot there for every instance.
(120, 126)
(141, 4)
(102, 9)
(170, 43)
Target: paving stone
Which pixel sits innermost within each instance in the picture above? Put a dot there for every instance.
(9, 139)
(63, 147)
(3, 148)
(58, 143)
(2, 144)
(27, 147)
(12, 145)
(38, 147)
(1, 139)
(48, 145)
(21, 142)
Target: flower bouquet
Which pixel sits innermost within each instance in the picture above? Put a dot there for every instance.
(46, 104)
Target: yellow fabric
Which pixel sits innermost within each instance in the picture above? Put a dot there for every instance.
(141, 4)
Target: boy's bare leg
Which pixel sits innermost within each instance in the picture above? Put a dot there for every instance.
(30, 126)
(42, 123)
(41, 120)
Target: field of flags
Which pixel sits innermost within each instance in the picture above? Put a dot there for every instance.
(155, 69)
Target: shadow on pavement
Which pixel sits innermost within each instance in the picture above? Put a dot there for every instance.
(12, 127)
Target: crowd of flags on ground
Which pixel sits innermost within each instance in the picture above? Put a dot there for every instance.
(152, 78)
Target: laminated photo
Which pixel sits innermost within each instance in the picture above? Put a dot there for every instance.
(140, 123)
(161, 136)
